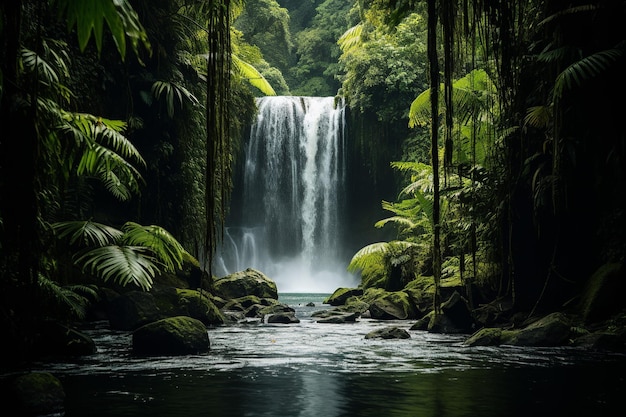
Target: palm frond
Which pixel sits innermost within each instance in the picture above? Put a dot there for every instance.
(66, 298)
(586, 69)
(350, 38)
(164, 246)
(121, 264)
(538, 116)
(172, 94)
(87, 233)
(254, 77)
(375, 253)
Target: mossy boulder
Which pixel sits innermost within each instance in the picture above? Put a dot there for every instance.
(35, 394)
(181, 335)
(187, 302)
(392, 305)
(341, 295)
(131, 310)
(388, 333)
(551, 330)
(243, 283)
(604, 294)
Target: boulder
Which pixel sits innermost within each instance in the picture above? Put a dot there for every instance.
(551, 330)
(392, 306)
(336, 316)
(457, 310)
(244, 283)
(603, 295)
(181, 335)
(185, 302)
(133, 309)
(35, 394)
(283, 317)
(341, 295)
(388, 333)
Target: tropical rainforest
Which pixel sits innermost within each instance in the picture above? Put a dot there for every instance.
(487, 137)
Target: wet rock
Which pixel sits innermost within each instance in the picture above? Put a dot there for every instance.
(285, 317)
(172, 336)
(388, 333)
(245, 283)
(35, 394)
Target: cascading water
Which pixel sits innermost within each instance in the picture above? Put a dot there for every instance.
(288, 219)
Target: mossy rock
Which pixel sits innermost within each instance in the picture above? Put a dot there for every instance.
(393, 305)
(181, 335)
(340, 295)
(36, 394)
(244, 283)
(603, 296)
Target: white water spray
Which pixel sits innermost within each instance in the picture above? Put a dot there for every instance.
(290, 225)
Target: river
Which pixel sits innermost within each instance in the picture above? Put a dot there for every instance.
(329, 370)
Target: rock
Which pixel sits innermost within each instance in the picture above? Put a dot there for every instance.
(388, 333)
(340, 296)
(131, 310)
(603, 295)
(185, 302)
(35, 394)
(551, 330)
(244, 283)
(485, 337)
(457, 310)
(392, 306)
(284, 317)
(337, 317)
(181, 335)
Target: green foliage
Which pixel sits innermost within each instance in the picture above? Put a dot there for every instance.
(130, 256)
(172, 93)
(88, 17)
(383, 73)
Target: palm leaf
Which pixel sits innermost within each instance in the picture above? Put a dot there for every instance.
(375, 253)
(585, 69)
(538, 116)
(121, 264)
(171, 92)
(89, 16)
(253, 76)
(66, 297)
(350, 38)
(164, 246)
(87, 233)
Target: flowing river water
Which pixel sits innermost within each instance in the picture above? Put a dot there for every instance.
(329, 370)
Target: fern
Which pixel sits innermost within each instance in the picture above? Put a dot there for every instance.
(585, 69)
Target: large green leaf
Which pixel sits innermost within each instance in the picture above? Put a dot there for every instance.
(89, 16)
(253, 76)
(86, 233)
(121, 264)
(165, 247)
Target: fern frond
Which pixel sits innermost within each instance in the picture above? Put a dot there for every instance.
(350, 38)
(164, 246)
(254, 77)
(538, 116)
(121, 264)
(87, 233)
(585, 69)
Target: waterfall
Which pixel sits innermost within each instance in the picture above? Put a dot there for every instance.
(290, 197)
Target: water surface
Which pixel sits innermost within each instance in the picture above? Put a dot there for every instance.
(311, 369)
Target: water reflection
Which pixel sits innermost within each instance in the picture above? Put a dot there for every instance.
(329, 370)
